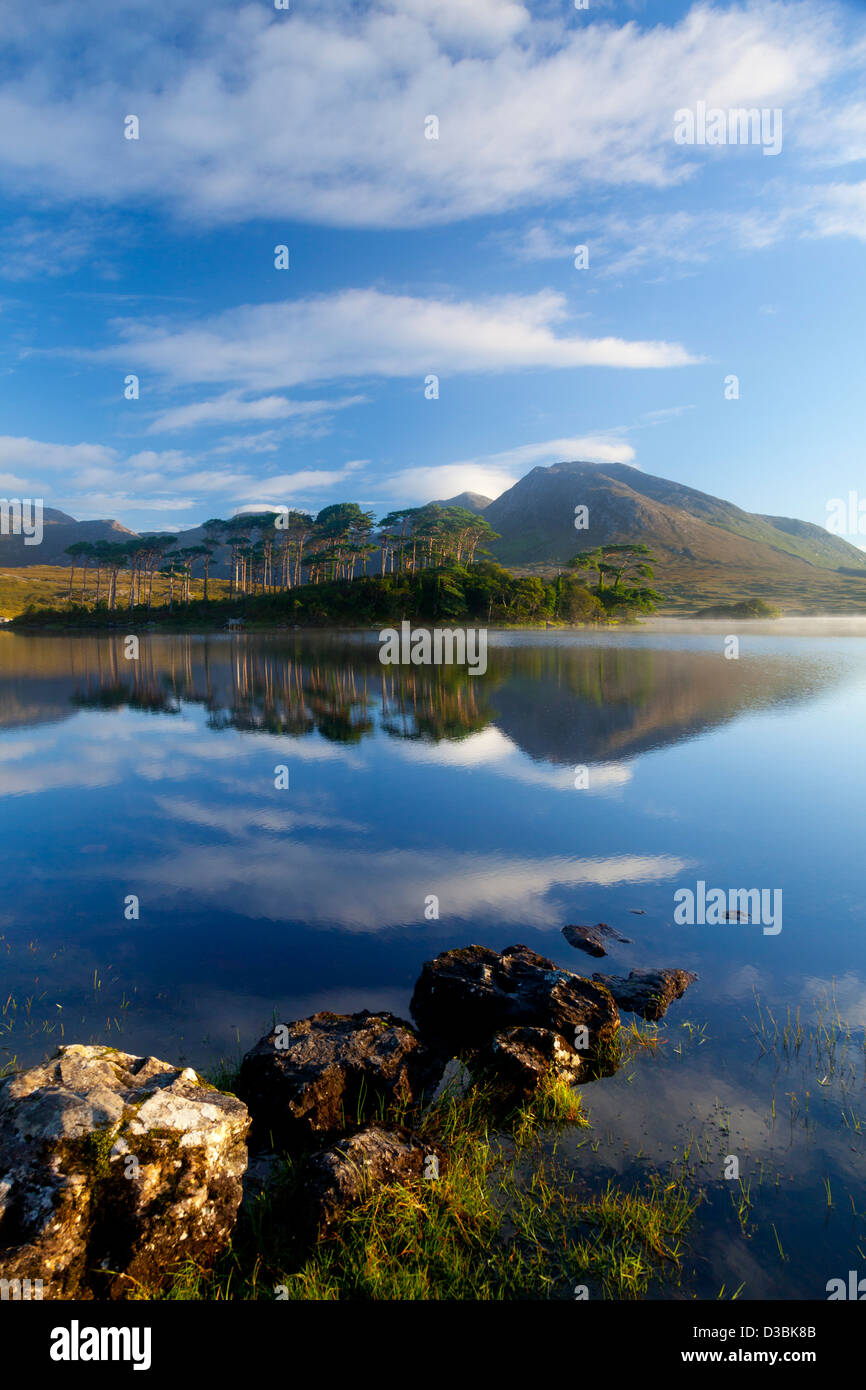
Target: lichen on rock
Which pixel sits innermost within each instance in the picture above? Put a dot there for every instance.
(113, 1168)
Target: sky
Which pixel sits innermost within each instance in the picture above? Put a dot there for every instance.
(430, 167)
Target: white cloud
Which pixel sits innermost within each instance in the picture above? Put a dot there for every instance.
(30, 248)
(485, 24)
(622, 244)
(288, 485)
(493, 474)
(498, 754)
(367, 333)
(319, 114)
(94, 480)
(377, 888)
(839, 209)
(230, 407)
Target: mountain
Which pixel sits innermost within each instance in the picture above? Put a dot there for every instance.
(707, 550)
(471, 501)
(704, 545)
(59, 530)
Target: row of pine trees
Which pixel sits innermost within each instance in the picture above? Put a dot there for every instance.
(272, 552)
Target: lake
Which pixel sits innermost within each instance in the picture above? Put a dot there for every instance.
(583, 778)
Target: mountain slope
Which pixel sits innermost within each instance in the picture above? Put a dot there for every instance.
(535, 519)
(706, 547)
(59, 531)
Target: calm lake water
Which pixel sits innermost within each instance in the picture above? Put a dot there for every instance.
(157, 777)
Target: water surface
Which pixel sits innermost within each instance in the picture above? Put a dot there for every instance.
(156, 778)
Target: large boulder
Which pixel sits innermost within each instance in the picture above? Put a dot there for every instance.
(464, 997)
(340, 1177)
(113, 1168)
(648, 993)
(327, 1075)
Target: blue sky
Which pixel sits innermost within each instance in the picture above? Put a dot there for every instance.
(412, 256)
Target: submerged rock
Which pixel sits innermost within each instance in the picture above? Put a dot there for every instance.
(343, 1175)
(591, 939)
(649, 993)
(112, 1169)
(519, 1059)
(464, 997)
(328, 1074)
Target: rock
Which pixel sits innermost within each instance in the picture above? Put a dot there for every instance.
(648, 992)
(591, 939)
(339, 1177)
(327, 1075)
(464, 997)
(520, 1059)
(112, 1169)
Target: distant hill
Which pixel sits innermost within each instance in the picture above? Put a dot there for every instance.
(471, 501)
(59, 531)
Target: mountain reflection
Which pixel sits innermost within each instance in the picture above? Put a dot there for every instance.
(564, 703)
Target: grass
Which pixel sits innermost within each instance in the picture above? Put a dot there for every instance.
(691, 584)
(629, 1041)
(71, 1000)
(47, 586)
(633, 1235)
(504, 1220)
(827, 1043)
(43, 585)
